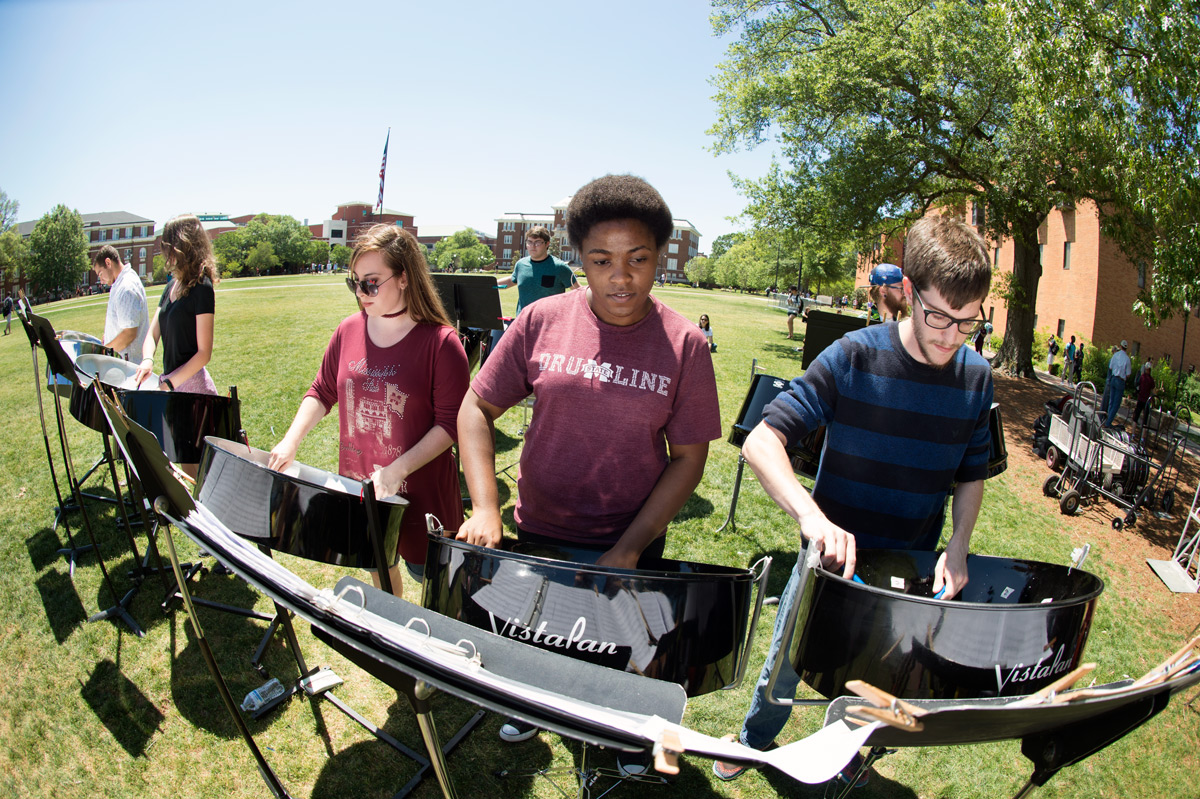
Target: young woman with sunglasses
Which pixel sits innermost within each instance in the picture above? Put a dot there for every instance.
(397, 373)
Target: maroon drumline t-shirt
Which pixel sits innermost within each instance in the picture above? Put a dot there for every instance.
(608, 399)
(388, 398)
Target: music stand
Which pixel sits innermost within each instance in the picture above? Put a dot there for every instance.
(152, 470)
(70, 552)
(59, 362)
(289, 512)
(471, 300)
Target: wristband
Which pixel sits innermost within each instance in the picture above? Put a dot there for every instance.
(166, 382)
(150, 359)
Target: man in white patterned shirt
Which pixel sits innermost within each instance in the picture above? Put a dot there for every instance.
(127, 319)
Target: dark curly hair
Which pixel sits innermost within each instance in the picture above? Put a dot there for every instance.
(618, 197)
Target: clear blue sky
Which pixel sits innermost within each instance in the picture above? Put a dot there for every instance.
(161, 108)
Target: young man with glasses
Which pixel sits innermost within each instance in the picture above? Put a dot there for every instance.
(906, 407)
(539, 274)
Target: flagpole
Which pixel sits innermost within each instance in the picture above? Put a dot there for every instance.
(383, 170)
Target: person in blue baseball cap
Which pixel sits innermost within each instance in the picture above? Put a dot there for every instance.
(887, 293)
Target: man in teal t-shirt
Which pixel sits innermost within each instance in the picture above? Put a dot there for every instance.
(539, 274)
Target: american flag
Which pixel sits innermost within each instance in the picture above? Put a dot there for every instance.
(383, 169)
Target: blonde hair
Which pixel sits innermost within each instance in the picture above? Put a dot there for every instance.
(403, 255)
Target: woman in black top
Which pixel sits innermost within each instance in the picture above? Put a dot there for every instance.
(184, 318)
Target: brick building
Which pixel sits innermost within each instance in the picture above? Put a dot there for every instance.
(1087, 288)
(132, 235)
(512, 227)
(352, 218)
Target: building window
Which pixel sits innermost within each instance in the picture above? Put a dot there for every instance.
(507, 253)
(1041, 255)
(675, 234)
(673, 264)
(1135, 348)
(335, 234)
(128, 255)
(142, 254)
(996, 259)
(508, 238)
(1141, 267)
(129, 233)
(673, 248)
(1062, 326)
(507, 226)
(976, 214)
(144, 230)
(103, 235)
(1066, 255)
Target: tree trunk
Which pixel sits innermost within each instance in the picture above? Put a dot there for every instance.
(1016, 352)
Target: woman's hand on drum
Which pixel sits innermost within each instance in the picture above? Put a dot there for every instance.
(281, 456)
(389, 480)
(482, 529)
(836, 545)
(144, 370)
(617, 558)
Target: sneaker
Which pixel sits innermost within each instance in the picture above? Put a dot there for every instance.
(847, 773)
(514, 731)
(633, 764)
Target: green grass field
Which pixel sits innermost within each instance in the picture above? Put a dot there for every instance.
(95, 711)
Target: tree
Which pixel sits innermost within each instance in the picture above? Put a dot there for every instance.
(340, 254)
(262, 258)
(289, 239)
(318, 252)
(159, 269)
(699, 269)
(58, 251)
(1139, 66)
(886, 109)
(13, 254)
(461, 251)
(722, 243)
(8, 211)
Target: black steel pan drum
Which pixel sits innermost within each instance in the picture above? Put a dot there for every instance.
(180, 421)
(763, 388)
(303, 511)
(686, 623)
(1018, 626)
(115, 373)
(75, 345)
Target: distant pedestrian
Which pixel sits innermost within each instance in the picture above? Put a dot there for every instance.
(1145, 390)
(1069, 363)
(1051, 351)
(1079, 362)
(1119, 368)
(8, 309)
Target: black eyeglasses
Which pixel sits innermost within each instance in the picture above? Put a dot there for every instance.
(368, 286)
(940, 321)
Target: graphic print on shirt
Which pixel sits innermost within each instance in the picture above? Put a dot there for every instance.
(588, 369)
(370, 415)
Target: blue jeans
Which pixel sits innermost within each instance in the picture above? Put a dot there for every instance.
(765, 720)
(1113, 391)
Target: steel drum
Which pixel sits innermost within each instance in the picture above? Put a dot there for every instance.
(1017, 626)
(115, 373)
(75, 345)
(686, 623)
(302, 511)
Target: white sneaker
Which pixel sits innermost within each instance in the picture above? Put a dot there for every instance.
(514, 731)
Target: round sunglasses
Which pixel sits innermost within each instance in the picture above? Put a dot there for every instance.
(368, 286)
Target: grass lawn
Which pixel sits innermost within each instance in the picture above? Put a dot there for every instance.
(95, 711)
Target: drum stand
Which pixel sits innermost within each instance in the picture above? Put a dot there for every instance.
(264, 768)
(417, 692)
(119, 610)
(70, 552)
(588, 776)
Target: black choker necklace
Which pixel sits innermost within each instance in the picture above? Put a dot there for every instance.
(400, 312)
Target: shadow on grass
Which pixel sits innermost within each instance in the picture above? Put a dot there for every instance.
(697, 507)
(879, 786)
(121, 707)
(43, 548)
(64, 609)
(506, 443)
